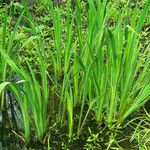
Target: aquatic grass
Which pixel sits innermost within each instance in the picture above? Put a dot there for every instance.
(102, 62)
(70, 111)
(99, 65)
(89, 55)
(8, 49)
(112, 67)
(131, 75)
(57, 25)
(42, 91)
(124, 70)
(19, 96)
(63, 45)
(33, 97)
(18, 92)
(78, 48)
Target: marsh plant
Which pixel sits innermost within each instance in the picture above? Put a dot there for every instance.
(92, 64)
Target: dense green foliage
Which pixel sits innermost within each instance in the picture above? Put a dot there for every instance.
(87, 56)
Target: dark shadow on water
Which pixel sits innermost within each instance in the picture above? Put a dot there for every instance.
(8, 140)
(10, 119)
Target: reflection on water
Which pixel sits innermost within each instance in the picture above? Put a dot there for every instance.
(10, 119)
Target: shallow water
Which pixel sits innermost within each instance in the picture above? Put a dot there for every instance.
(10, 119)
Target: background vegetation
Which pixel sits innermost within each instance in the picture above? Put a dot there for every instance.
(77, 65)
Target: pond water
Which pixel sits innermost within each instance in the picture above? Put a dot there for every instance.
(10, 119)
